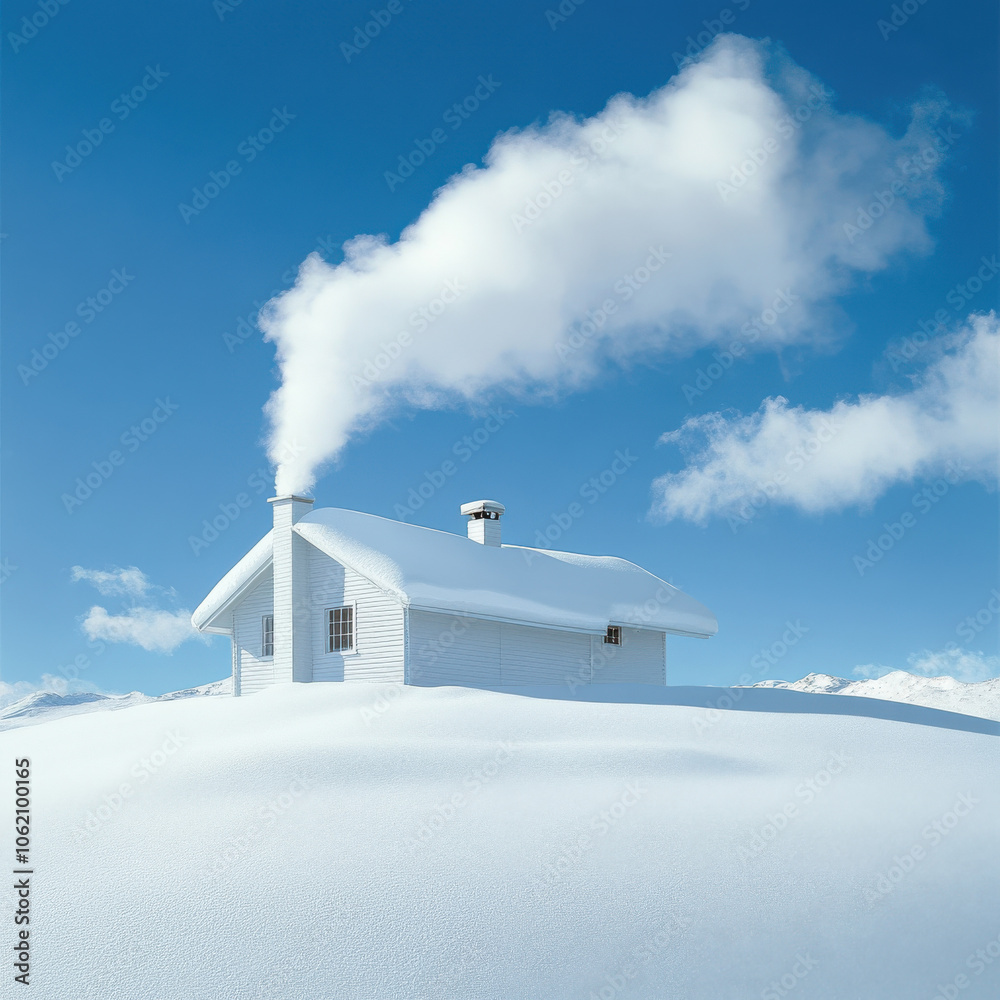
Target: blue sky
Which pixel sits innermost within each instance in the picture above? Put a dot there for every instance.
(158, 389)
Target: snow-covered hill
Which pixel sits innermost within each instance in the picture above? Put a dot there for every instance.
(43, 706)
(946, 693)
(354, 841)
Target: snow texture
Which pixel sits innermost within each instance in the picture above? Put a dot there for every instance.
(361, 842)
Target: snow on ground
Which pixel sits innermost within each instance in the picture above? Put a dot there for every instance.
(981, 699)
(378, 841)
(946, 693)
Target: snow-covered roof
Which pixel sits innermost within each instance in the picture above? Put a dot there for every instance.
(240, 579)
(438, 571)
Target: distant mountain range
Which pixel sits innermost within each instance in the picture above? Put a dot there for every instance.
(945, 693)
(43, 706)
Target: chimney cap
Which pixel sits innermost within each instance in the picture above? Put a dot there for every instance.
(291, 496)
(482, 507)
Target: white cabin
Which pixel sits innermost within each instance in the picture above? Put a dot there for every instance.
(337, 595)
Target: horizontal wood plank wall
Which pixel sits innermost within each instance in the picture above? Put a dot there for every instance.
(378, 625)
(640, 659)
(255, 671)
(542, 656)
(447, 649)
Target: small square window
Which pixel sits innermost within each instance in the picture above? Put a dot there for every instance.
(267, 636)
(614, 636)
(340, 630)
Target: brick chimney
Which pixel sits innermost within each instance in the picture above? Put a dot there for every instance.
(484, 521)
(292, 647)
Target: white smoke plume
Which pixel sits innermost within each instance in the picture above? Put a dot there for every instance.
(660, 224)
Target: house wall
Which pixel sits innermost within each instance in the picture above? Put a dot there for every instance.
(640, 659)
(254, 672)
(542, 656)
(442, 648)
(378, 625)
(451, 649)
(447, 649)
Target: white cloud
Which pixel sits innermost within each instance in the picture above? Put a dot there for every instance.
(502, 283)
(151, 628)
(962, 664)
(819, 460)
(130, 582)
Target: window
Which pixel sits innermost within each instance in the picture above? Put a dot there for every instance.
(267, 636)
(614, 635)
(340, 629)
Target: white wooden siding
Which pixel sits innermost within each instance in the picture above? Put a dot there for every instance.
(436, 648)
(254, 671)
(378, 653)
(447, 649)
(542, 656)
(640, 659)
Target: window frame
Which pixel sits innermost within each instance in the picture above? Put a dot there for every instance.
(613, 636)
(264, 633)
(328, 613)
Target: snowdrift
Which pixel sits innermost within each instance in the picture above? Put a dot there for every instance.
(356, 841)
